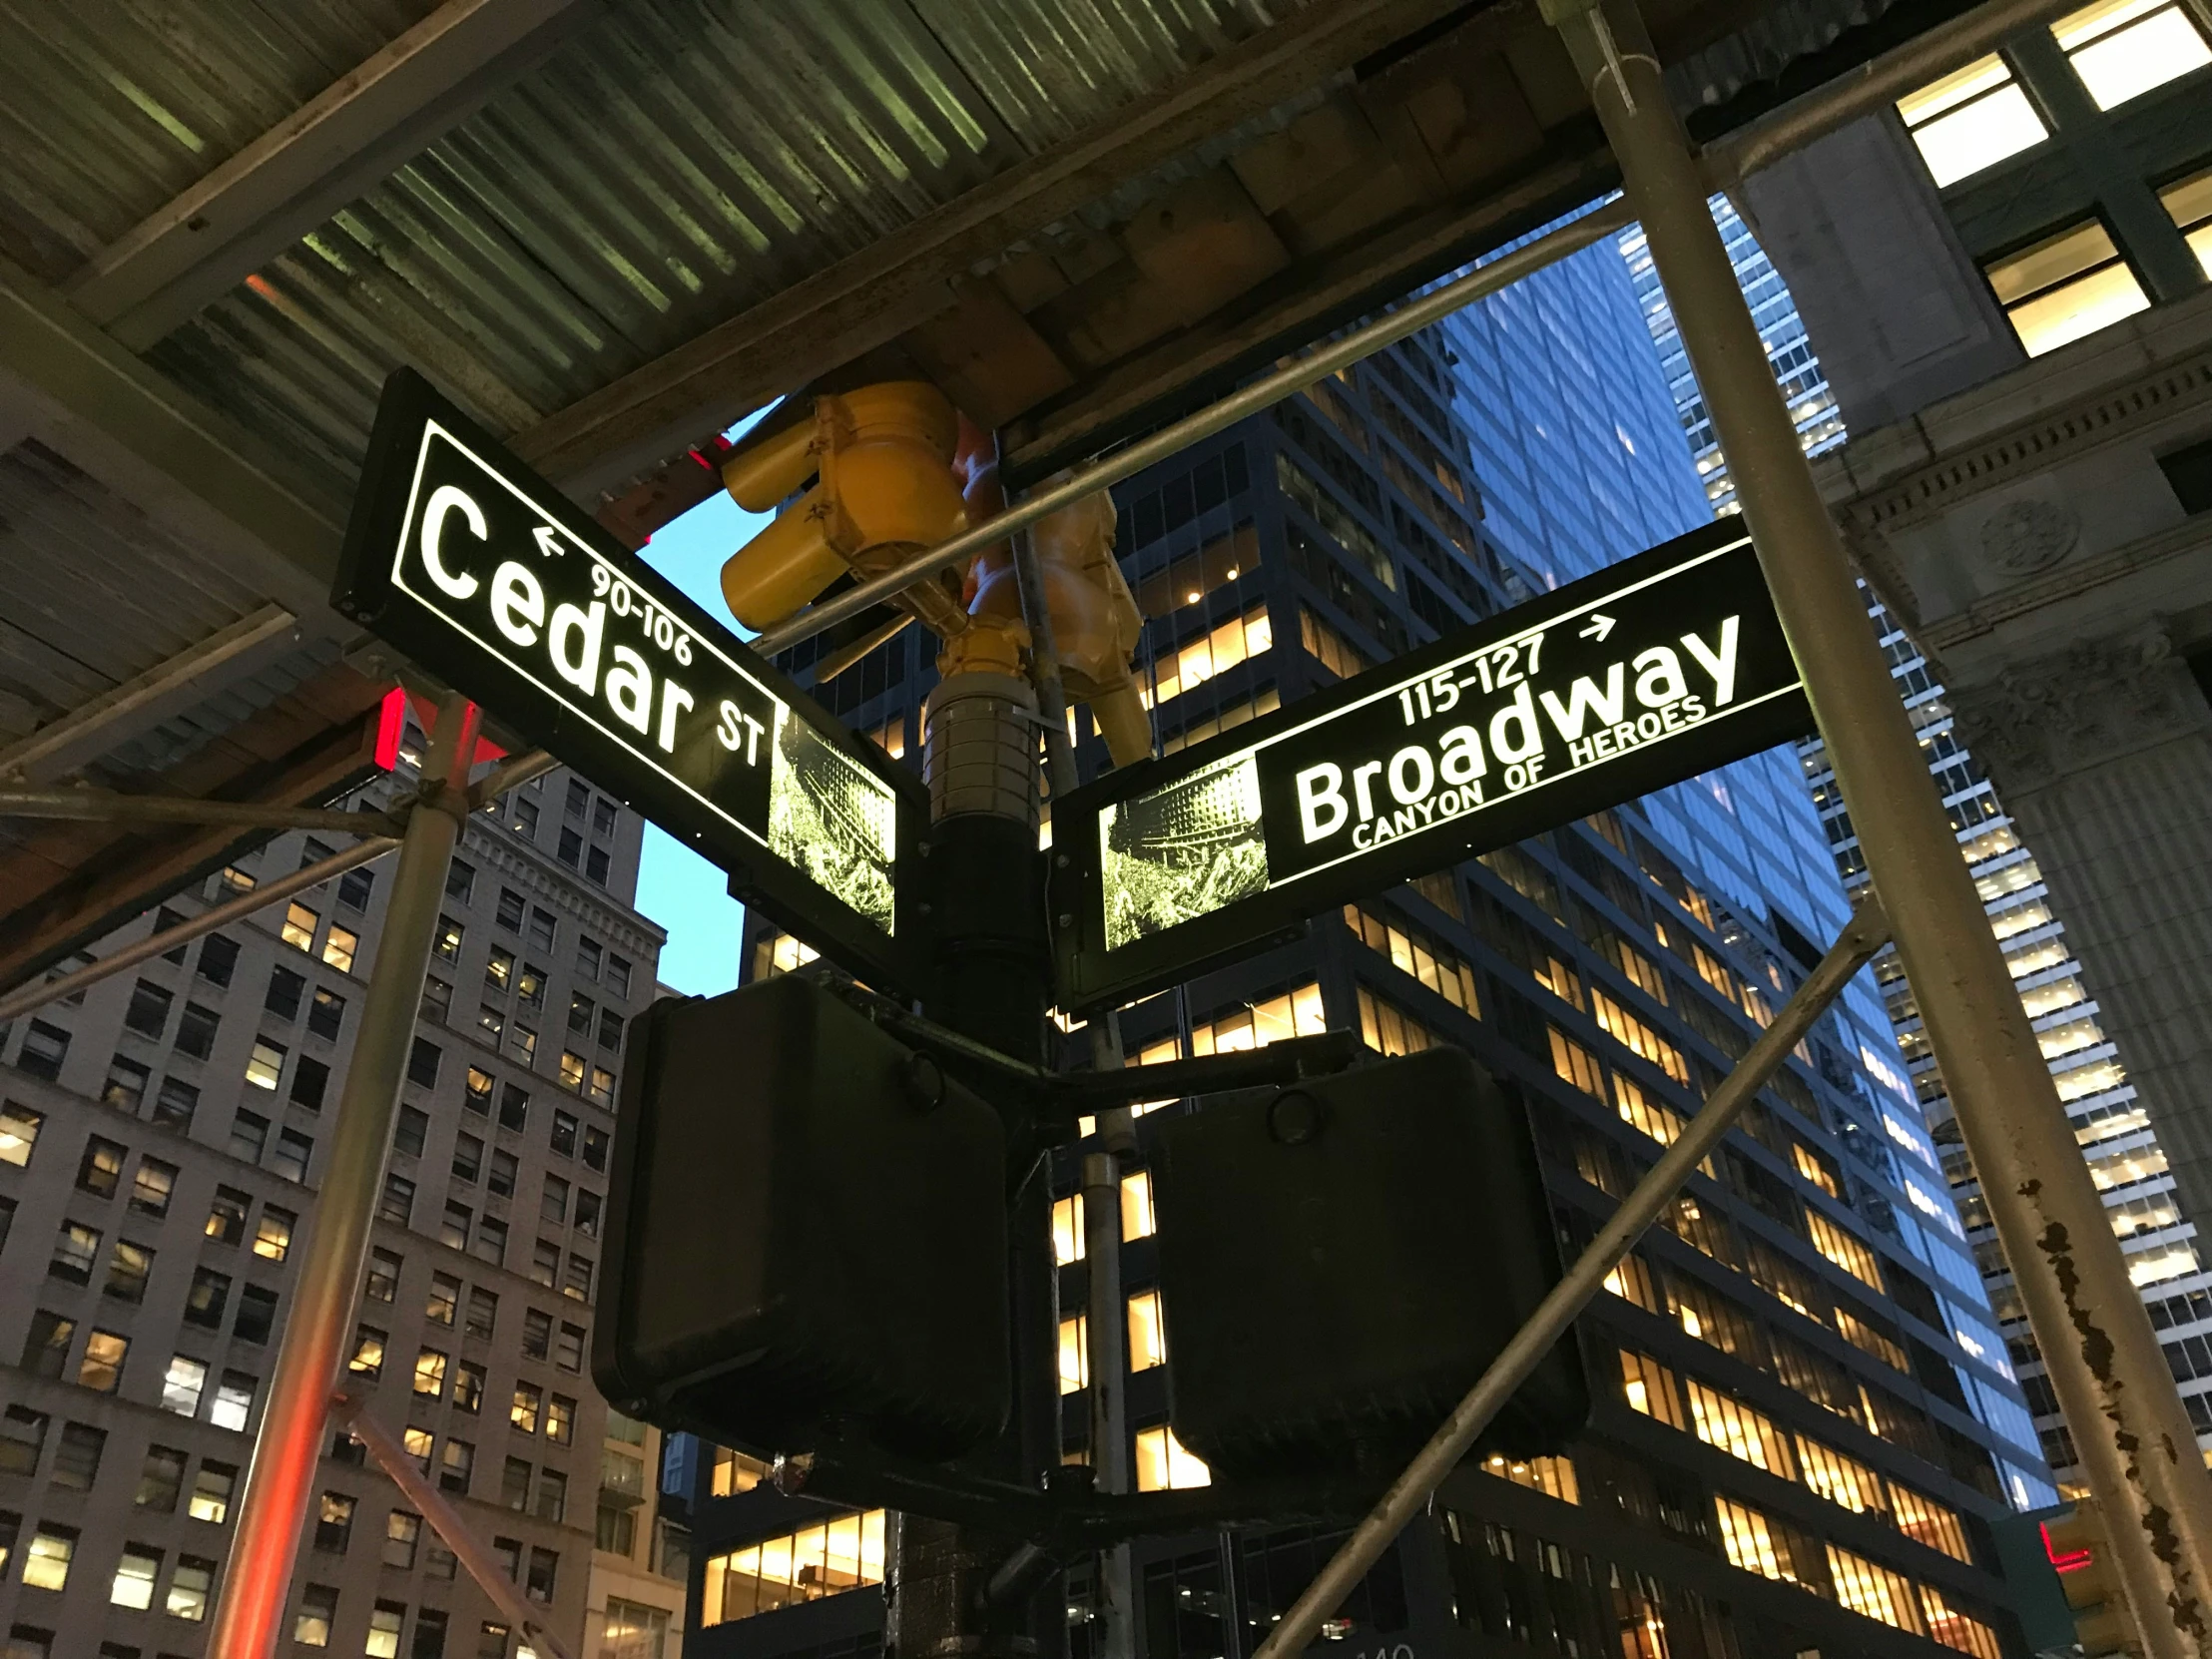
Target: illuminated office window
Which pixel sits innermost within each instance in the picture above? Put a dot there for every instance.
(1971, 119)
(734, 1472)
(1866, 1587)
(2123, 48)
(1845, 1250)
(1212, 653)
(1137, 1221)
(1075, 1355)
(1163, 1464)
(1148, 1343)
(2063, 287)
(1650, 1389)
(1553, 1477)
(1067, 1229)
(2190, 202)
(820, 1561)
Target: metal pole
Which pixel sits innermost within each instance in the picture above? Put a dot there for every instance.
(520, 769)
(108, 806)
(27, 998)
(1105, 1339)
(446, 1521)
(2137, 1446)
(1866, 932)
(289, 1445)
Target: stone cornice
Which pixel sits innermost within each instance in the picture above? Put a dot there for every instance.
(563, 888)
(1992, 613)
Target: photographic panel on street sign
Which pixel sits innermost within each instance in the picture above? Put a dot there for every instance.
(1651, 671)
(482, 571)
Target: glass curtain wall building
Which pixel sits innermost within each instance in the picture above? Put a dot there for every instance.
(2123, 1152)
(1804, 1420)
(162, 1135)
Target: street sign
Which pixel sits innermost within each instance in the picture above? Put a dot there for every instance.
(483, 572)
(1647, 673)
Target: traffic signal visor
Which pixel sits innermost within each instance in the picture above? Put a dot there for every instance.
(881, 458)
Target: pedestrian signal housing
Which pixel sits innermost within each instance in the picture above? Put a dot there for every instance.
(807, 1231)
(1341, 1261)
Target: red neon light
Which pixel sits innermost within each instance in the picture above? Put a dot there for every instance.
(392, 722)
(2072, 1560)
(389, 719)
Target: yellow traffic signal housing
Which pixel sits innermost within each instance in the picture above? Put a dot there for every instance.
(882, 457)
(2081, 1554)
(1095, 620)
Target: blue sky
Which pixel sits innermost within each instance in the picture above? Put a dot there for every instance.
(676, 886)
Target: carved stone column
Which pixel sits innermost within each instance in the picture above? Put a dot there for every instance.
(2102, 752)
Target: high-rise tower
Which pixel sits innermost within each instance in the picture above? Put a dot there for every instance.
(1805, 1416)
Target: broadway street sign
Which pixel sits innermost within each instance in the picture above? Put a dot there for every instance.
(1647, 673)
(487, 575)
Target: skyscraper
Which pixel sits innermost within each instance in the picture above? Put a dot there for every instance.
(162, 1137)
(1805, 1418)
(2115, 1132)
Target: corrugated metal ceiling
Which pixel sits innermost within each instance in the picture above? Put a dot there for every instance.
(671, 166)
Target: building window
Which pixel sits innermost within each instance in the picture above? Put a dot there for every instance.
(161, 1480)
(233, 1401)
(2189, 201)
(445, 1296)
(211, 1492)
(45, 1047)
(1148, 1346)
(76, 1247)
(182, 1385)
(1971, 119)
(469, 1387)
(403, 1532)
(1164, 1465)
(191, 1588)
(19, 1127)
(46, 1563)
(529, 1405)
(560, 1419)
(355, 886)
(429, 1373)
(422, 1063)
(22, 1440)
(2123, 48)
(128, 1267)
(273, 1239)
(148, 1010)
(266, 1065)
(209, 1296)
(319, 1607)
(299, 925)
(218, 958)
(257, 1314)
(100, 1170)
(153, 1187)
(100, 1369)
(369, 1352)
(135, 1576)
(384, 1621)
(46, 1344)
(334, 1526)
(293, 1150)
(397, 1202)
(2066, 287)
(125, 1085)
(809, 1565)
(327, 1013)
(459, 1463)
(175, 1105)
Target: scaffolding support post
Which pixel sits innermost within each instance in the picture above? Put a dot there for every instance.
(2136, 1443)
(286, 1451)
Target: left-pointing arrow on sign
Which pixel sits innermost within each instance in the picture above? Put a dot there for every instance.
(549, 541)
(1599, 625)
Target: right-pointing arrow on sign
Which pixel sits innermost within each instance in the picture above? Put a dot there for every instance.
(1599, 625)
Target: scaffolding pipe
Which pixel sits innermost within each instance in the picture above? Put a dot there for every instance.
(25, 998)
(1866, 932)
(446, 1520)
(288, 1447)
(109, 805)
(2139, 1449)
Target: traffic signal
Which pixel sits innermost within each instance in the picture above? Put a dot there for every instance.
(806, 1230)
(2083, 1556)
(1342, 1260)
(882, 457)
(1096, 625)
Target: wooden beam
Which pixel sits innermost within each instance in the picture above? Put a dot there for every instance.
(871, 297)
(362, 128)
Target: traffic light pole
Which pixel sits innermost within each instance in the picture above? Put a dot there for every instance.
(250, 1610)
(1105, 1341)
(989, 969)
(2136, 1443)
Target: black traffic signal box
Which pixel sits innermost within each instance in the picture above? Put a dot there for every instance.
(1342, 1260)
(807, 1231)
